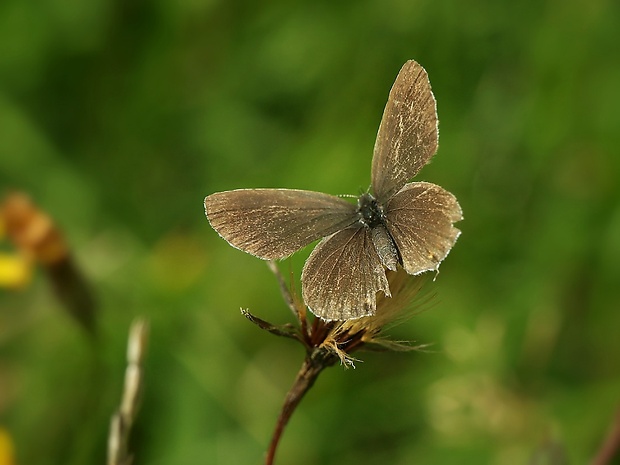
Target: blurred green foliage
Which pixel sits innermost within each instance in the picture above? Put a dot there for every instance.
(117, 118)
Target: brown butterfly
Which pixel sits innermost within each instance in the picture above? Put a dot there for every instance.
(397, 223)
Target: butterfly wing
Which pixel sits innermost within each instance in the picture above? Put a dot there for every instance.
(342, 276)
(274, 223)
(419, 218)
(408, 133)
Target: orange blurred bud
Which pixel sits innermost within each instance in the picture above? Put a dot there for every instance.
(40, 240)
(32, 230)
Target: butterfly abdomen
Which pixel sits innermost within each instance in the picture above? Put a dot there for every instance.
(385, 247)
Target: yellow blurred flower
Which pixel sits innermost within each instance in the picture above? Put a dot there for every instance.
(7, 456)
(15, 271)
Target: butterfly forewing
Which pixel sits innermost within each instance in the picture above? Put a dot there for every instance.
(274, 223)
(408, 134)
(419, 218)
(342, 276)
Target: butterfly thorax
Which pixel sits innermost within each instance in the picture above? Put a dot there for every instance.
(371, 215)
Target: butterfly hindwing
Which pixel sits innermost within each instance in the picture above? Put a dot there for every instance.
(419, 218)
(274, 223)
(342, 276)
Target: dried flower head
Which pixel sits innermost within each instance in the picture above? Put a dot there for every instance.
(333, 341)
(329, 342)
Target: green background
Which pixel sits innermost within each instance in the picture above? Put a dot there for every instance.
(117, 118)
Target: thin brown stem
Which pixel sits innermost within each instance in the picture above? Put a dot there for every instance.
(611, 445)
(306, 377)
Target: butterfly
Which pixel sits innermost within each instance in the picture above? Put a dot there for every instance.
(395, 224)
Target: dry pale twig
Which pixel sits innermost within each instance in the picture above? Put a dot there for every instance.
(123, 419)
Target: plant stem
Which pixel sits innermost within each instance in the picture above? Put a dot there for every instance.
(611, 445)
(306, 377)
